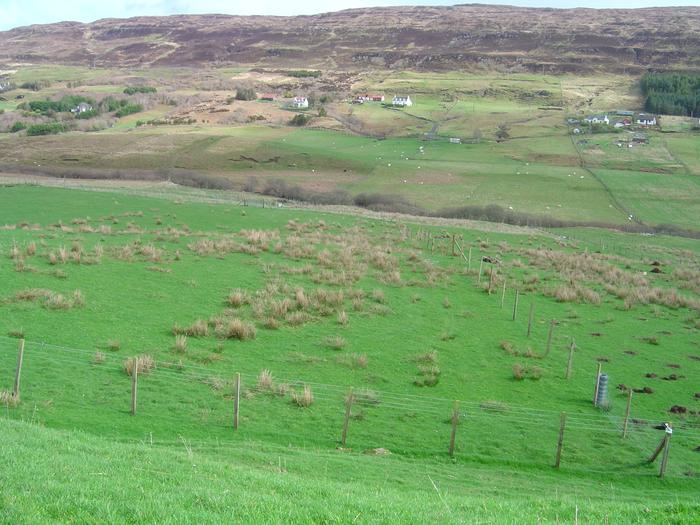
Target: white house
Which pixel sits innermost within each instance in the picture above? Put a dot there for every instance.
(300, 102)
(598, 119)
(643, 119)
(81, 108)
(402, 101)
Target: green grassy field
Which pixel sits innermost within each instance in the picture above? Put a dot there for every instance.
(337, 302)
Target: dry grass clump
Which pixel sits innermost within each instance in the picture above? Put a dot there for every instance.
(669, 297)
(7, 399)
(353, 360)
(364, 396)
(335, 342)
(446, 303)
(57, 301)
(265, 382)
(378, 296)
(260, 238)
(237, 298)
(382, 261)
(279, 308)
(146, 364)
(31, 249)
(508, 347)
(305, 398)
(180, 344)
(302, 301)
(428, 375)
(343, 319)
(200, 328)
(380, 309)
(271, 323)
(236, 329)
(113, 345)
(14, 252)
(574, 294)
(356, 293)
(430, 357)
(151, 253)
(322, 296)
(297, 318)
(357, 304)
(521, 372)
(98, 358)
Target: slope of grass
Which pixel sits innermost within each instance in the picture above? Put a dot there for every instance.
(424, 334)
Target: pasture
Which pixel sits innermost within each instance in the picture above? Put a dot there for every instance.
(307, 305)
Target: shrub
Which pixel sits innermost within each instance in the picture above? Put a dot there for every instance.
(113, 345)
(245, 93)
(199, 328)
(129, 109)
(300, 120)
(51, 128)
(18, 126)
(132, 90)
(304, 399)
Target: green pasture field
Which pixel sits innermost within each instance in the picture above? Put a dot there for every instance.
(410, 314)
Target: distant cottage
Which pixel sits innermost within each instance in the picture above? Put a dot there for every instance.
(81, 108)
(300, 102)
(644, 119)
(402, 101)
(598, 119)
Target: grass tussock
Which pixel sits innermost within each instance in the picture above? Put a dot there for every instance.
(303, 399)
(7, 399)
(353, 361)
(343, 319)
(265, 381)
(237, 329)
(199, 328)
(237, 298)
(17, 333)
(180, 344)
(99, 358)
(521, 372)
(113, 345)
(335, 342)
(145, 363)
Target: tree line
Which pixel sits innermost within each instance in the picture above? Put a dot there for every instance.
(672, 93)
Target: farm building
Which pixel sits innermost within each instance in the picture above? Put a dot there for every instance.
(644, 119)
(402, 101)
(367, 97)
(81, 108)
(598, 119)
(300, 102)
(5, 84)
(270, 97)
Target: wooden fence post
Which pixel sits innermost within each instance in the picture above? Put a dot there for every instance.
(453, 245)
(455, 421)
(664, 458)
(560, 442)
(515, 304)
(597, 384)
(503, 293)
(627, 413)
(530, 318)
(469, 260)
(491, 280)
(572, 347)
(236, 399)
(481, 267)
(134, 384)
(348, 407)
(549, 338)
(658, 450)
(18, 371)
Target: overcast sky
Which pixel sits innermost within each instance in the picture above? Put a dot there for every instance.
(14, 13)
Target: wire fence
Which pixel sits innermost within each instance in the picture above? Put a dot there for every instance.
(65, 387)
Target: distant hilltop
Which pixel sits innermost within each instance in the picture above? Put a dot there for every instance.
(464, 37)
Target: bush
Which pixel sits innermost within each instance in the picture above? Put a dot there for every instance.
(128, 109)
(87, 114)
(17, 126)
(300, 120)
(246, 93)
(132, 90)
(51, 128)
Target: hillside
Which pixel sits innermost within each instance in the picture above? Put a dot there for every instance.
(380, 325)
(465, 37)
